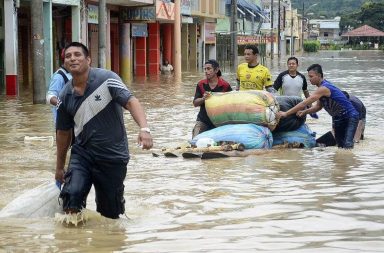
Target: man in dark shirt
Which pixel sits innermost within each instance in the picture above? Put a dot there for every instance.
(212, 83)
(92, 104)
(328, 96)
(360, 108)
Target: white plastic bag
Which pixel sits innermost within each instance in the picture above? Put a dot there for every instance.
(205, 142)
(41, 201)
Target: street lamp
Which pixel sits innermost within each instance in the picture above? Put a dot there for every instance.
(302, 24)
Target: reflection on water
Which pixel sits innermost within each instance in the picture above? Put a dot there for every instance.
(327, 200)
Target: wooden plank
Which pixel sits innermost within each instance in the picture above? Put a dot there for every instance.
(214, 155)
(179, 151)
(233, 153)
(170, 154)
(220, 151)
(189, 155)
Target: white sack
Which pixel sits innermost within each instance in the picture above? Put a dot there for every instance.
(41, 201)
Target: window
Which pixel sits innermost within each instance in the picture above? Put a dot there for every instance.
(221, 7)
(195, 5)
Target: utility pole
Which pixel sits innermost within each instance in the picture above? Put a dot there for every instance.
(102, 33)
(292, 53)
(234, 52)
(271, 36)
(302, 30)
(177, 40)
(38, 67)
(278, 33)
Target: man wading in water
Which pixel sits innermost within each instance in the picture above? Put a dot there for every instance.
(92, 103)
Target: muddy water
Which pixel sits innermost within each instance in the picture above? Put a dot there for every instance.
(314, 200)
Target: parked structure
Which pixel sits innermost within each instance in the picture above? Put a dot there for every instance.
(365, 34)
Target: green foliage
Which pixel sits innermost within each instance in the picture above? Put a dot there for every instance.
(371, 14)
(330, 8)
(336, 46)
(327, 8)
(353, 13)
(311, 45)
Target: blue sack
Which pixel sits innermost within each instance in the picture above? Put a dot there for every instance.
(250, 135)
(302, 135)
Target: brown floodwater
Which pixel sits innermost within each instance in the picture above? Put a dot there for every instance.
(302, 200)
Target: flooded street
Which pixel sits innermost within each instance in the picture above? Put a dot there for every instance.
(304, 200)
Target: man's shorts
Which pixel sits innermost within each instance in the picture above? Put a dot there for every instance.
(107, 178)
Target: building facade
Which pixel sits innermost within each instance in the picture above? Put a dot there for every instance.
(140, 34)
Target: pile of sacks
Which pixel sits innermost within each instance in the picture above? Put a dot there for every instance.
(249, 117)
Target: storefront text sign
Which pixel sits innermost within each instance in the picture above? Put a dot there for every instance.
(93, 14)
(139, 14)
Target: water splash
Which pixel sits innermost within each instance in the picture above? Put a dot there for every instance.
(81, 217)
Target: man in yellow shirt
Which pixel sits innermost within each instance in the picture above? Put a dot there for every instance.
(251, 75)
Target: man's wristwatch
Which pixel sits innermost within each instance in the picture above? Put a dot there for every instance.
(145, 129)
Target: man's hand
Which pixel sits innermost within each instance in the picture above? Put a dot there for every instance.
(301, 113)
(59, 175)
(145, 140)
(281, 114)
(206, 95)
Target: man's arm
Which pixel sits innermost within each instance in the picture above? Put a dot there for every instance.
(238, 78)
(322, 91)
(306, 93)
(137, 111)
(199, 98)
(57, 83)
(63, 141)
(278, 82)
(317, 107)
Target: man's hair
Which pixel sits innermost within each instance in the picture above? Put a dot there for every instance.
(293, 58)
(78, 44)
(316, 68)
(215, 65)
(253, 47)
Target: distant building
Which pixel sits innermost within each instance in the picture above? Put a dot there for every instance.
(325, 30)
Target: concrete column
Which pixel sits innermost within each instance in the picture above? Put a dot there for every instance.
(10, 49)
(184, 48)
(102, 34)
(192, 29)
(108, 42)
(83, 25)
(177, 46)
(154, 48)
(38, 64)
(76, 24)
(141, 56)
(48, 45)
(125, 53)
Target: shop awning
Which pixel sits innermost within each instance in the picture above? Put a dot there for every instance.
(248, 8)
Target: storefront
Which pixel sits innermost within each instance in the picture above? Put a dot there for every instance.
(2, 83)
(152, 36)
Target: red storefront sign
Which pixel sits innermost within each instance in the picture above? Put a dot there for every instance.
(254, 39)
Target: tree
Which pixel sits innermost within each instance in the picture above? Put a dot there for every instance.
(372, 14)
(350, 21)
